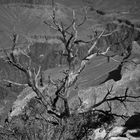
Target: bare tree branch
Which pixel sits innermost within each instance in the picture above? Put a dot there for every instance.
(74, 26)
(50, 25)
(33, 78)
(95, 43)
(122, 98)
(14, 83)
(85, 17)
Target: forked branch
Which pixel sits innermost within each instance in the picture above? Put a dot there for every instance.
(108, 98)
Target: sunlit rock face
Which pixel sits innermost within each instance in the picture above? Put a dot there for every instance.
(93, 95)
(21, 102)
(129, 83)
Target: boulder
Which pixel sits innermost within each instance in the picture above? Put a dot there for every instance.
(98, 134)
(116, 131)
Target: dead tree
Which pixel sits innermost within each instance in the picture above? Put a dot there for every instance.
(69, 37)
(33, 76)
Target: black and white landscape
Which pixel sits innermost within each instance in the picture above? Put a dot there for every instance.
(69, 70)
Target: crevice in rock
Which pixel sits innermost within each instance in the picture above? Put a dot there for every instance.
(115, 74)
